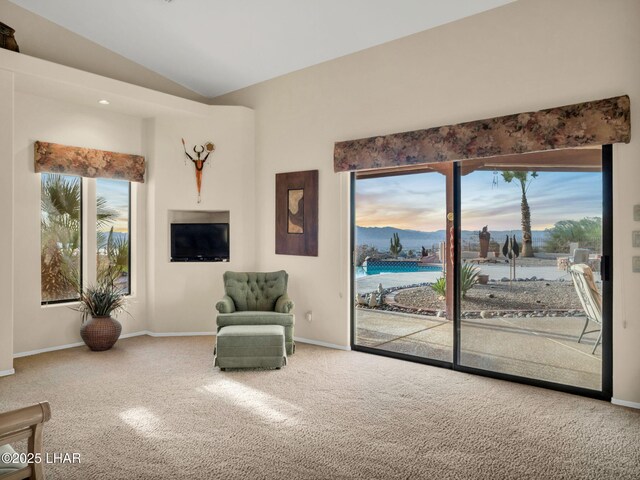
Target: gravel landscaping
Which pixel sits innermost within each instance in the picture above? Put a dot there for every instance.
(528, 298)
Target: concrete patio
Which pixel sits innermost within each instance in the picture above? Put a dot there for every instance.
(544, 348)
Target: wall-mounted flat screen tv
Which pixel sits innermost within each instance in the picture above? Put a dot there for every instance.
(199, 242)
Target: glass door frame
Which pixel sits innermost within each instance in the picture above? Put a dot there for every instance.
(607, 294)
(352, 283)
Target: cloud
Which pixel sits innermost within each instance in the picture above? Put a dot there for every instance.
(116, 192)
(418, 201)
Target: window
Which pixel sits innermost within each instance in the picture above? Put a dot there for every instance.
(60, 237)
(113, 231)
(61, 232)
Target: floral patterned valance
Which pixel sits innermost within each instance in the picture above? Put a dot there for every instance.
(594, 123)
(87, 162)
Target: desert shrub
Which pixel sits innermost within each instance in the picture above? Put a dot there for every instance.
(364, 251)
(468, 275)
(587, 232)
(440, 287)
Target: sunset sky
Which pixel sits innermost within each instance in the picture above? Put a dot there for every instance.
(417, 202)
(117, 194)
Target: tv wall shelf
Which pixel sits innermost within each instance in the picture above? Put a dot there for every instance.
(199, 236)
(198, 216)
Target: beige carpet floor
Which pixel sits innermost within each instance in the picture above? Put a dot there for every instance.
(155, 408)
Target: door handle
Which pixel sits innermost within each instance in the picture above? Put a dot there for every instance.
(605, 268)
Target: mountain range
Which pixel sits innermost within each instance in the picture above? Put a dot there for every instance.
(380, 237)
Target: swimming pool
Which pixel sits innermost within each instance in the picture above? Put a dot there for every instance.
(390, 266)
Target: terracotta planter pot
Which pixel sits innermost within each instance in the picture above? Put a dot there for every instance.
(100, 333)
(483, 279)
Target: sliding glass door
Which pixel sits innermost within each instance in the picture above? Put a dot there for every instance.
(530, 297)
(399, 256)
(531, 254)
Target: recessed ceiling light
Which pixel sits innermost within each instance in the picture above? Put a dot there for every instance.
(103, 102)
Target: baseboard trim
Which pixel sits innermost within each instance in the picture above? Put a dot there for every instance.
(625, 403)
(173, 334)
(5, 373)
(70, 345)
(321, 344)
(134, 334)
(179, 334)
(48, 349)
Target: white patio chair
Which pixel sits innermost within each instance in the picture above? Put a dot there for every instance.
(580, 255)
(572, 248)
(590, 299)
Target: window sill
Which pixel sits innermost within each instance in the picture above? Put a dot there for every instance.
(130, 299)
(61, 304)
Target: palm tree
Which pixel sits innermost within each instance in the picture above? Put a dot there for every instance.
(60, 236)
(524, 179)
(60, 220)
(113, 258)
(105, 217)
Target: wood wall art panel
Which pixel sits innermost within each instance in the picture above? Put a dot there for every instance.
(297, 213)
(593, 123)
(88, 162)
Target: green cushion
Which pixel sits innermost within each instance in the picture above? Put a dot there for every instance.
(255, 318)
(251, 346)
(266, 332)
(226, 305)
(287, 320)
(252, 291)
(9, 467)
(250, 341)
(284, 304)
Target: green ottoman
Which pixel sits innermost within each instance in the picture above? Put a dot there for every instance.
(250, 346)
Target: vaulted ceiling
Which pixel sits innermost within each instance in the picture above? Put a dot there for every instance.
(216, 46)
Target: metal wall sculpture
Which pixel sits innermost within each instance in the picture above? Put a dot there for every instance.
(199, 162)
(511, 250)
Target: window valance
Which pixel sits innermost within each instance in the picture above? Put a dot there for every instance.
(87, 162)
(593, 123)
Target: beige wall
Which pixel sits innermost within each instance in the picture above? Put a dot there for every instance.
(166, 297)
(528, 55)
(38, 37)
(6, 220)
(182, 295)
(38, 118)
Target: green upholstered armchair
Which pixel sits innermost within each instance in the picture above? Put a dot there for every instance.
(257, 298)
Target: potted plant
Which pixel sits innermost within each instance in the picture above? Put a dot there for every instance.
(97, 303)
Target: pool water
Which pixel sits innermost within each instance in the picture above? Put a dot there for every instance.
(383, 267)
